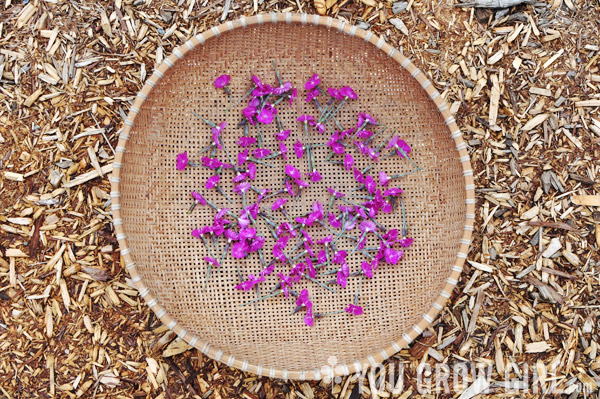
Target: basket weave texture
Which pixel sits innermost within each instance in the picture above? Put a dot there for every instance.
(151, 197)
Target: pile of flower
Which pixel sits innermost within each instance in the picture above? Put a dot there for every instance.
(295, 256)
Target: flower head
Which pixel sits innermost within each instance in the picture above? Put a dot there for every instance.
(299, 149)
(212, 261)
(312, 82)
(267, 114)
(370, 184)
(354, 310)
(392, 256)
(292, 172)
(367, 269)
(283, 150)
(333, 221)
(283, 135)
(278, 204)
(242, 157)
(348, 161)
(293, 96)
(364, 134)
(305, 118)
(364, 118)
(245, 141)
(260, 153)
(367, 226)
(314, 175)
(199, 198)
(182, 160)
(336, 194)
(347, 92)
(401, 146)
(251, 282)
(393, 192)
(284, 88)
(212, 181)
(335, 93)
(239, 249)
(242, 188)
(312, 95)
(406, 242)
(383, 178)
(251, 170)
(222, 81)
(216, 134)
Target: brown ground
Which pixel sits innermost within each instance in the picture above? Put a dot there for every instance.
(525, 87)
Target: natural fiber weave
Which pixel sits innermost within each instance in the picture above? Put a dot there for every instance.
(151, 197)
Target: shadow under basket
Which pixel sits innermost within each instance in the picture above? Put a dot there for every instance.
(151, 197)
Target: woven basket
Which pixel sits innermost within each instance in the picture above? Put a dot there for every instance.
(150, 197)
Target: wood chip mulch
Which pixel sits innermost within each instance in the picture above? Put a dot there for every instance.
(524, 84)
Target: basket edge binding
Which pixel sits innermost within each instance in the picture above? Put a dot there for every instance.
(408, 336)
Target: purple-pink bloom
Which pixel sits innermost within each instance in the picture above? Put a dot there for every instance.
(278, 204)
(293, 96)
(285, 282)
(251, 282)
(242, 188)
(231, 235)
(315, 175)
(367, 226)
(393, 192)
(358, 176)
(283, 150)
(211, 163)
(311, 268)
(240, 177)
(325, 240)
(247, 232)
(182, 160)
(199, 198)
(318, 126)
(216, 134)
(336, 146)
(285, 87)
(350, 224)
(283, 135)
(370, 184)
(267, 114)
(392, 256)
(292, 172)
(347, 92)
(322, 256)
(339, 257)
(406, 242)
(299, 149)
(354, 310)
(251, 170)
(364, 134)
(336, 194)
(399, 145)
(333, 221)
(348, 161)
(239, 249)
(222, 81)
(335, 93)
(308, 317)
(312, 82)
(383, 178)
(305, 118)
(312, 95)
(288, 188)
(212, 261)
(249, 112)
(301, 183)
(367, 269)
(317, 210)
(260, 153)
(364, 118)
(212, 181)
(242, 157)
(341, 279)
(245, 141)
(303, 298)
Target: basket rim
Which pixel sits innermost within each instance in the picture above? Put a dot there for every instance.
(247, 364)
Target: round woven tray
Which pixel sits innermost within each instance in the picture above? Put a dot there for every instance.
(150, 197)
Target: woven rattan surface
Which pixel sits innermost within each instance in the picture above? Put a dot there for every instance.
(153, 198)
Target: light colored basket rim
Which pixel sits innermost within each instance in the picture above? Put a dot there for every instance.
(246, 364)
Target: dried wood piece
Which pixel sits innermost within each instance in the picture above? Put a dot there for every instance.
(586, 200)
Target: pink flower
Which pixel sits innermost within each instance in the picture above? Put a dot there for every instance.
(267, 114)
(318, 126)
(249, 112)
(400, 145)
(222, 81)
(242, 157)
(348, 161)
(392, 256)
(333, 221)
(292, 172)
(383, 178)
(246, 141)
(367, 269)
(293, 96)
(308, 317)
(312, 82)
(336, 194)
(278, 204)
(341, 279)
(301, 183)
(211, 163)
(393, 192)
(406, 242)
(239, 249)
(251, 170)
(212, 181)
(283, 150)
(305, 118)
(335, 93)
(216, 134)
(315, 175)
(364, 118)
(322, 256)
(247, 233)
(212, 261)
(312, 95)
(260, 153)
(299, 149)
(358, 176)
(182, 160)
(288, 188)
(325, 240)
(240, 177)
(317, 210)
(336, 147)
(283, 135)
(347, 92)
(367, 226)
(242, 188)
(370, 184)
(199, 198)
(354, 310)
(257, 243)
(303, 298)
(251, 282)
(364, 134)
(285, 87)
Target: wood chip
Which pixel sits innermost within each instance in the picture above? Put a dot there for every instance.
(586, 200)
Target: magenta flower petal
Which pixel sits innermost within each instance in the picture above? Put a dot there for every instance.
(354, 310)
(278, 204)
(367, 269)
(285, 87)
(299, 149)
(247, 232)
(239, 249)
(198, 197)
(251, 170)
(260, 153)
(370, 184)
(312, 95)
(392, 256)
(348, 161)
(240, 177)
(212, 181)
(182, 160)
(302, 298)
(293, 96)
(222, 81)
(393, 192)
(315, 175)
(322, 256)
(341, 279)
(367, 226)
(337, 147)
(266, 115)
(336, 194)
(242, 157)
(288, 188)
(242, 188)
(246, 141)
(347, 91)
(292, 172)
(311, 268)
(305, 118)
(406, 242)
(358, 176)
(212, 261)
(301, 183)
(312, 82)
(308, 317)
(363, 118)
(333, 221)
(283, 150)
(335, 93)
(383, 178)
(283, 135)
